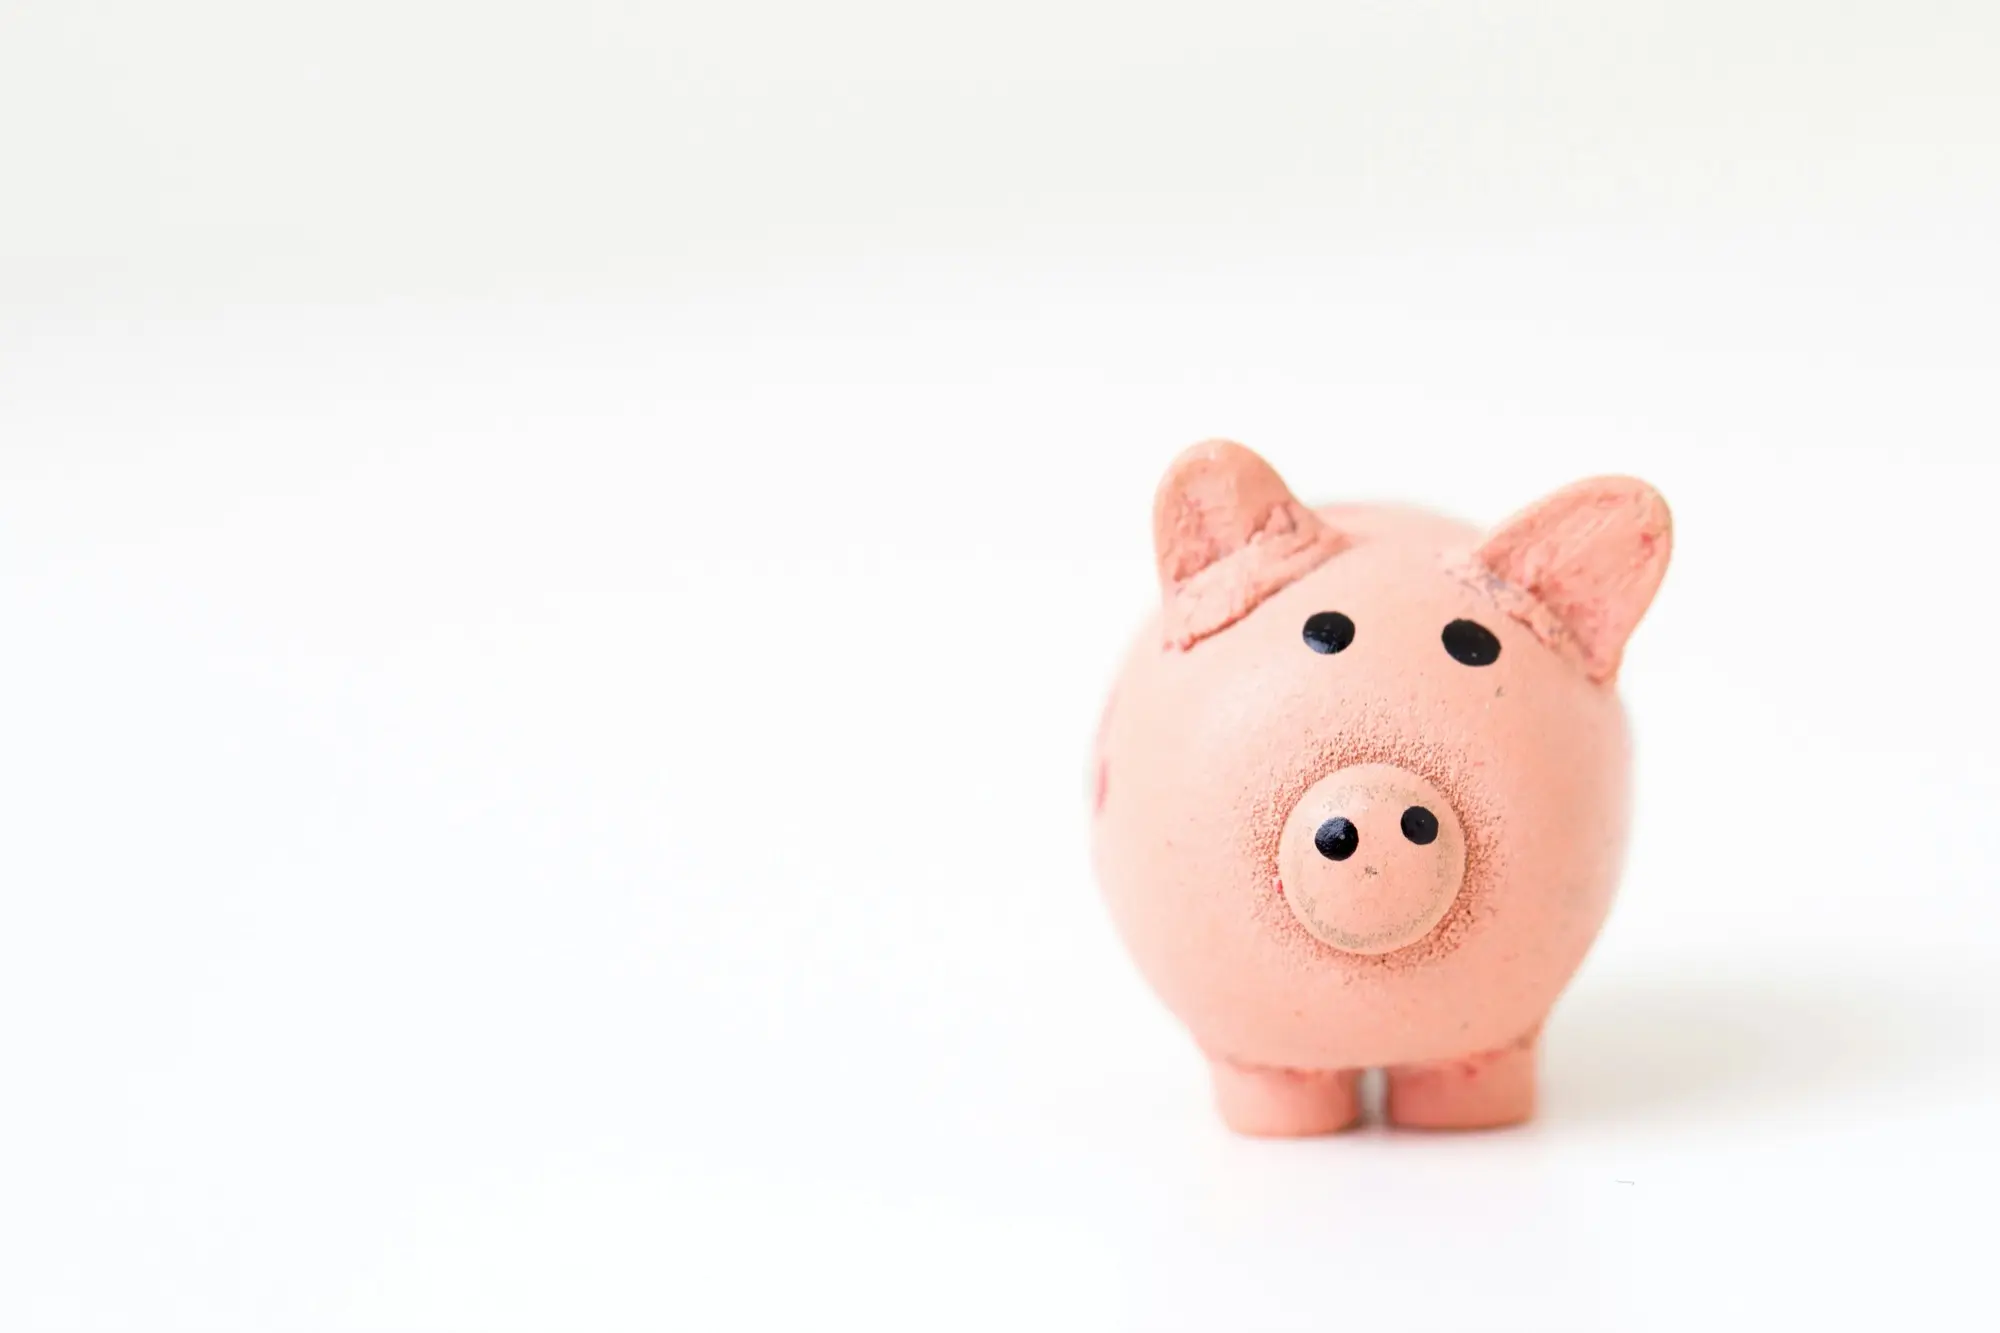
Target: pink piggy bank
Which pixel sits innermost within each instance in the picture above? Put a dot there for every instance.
(1360, 789)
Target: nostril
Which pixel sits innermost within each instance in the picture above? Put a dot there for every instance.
(1420, 826)
(1337, 838)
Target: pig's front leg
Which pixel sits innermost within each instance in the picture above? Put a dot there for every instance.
(1285, 1103)
(1482, 1091)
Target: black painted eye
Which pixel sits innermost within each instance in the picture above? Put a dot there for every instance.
(1328, 632)
(1471, 643)
(1420, 826)
(1336, 839)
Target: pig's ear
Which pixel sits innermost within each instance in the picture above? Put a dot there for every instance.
(1590, 558)
(1228, 534)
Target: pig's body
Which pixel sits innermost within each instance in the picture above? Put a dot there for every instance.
(1387, 853)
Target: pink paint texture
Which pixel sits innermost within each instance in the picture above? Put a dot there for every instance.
(1436, 957)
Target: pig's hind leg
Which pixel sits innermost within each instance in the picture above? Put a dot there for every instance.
(1481, 1091)
(1285, 1103)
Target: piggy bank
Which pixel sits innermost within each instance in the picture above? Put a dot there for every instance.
(1360, 787)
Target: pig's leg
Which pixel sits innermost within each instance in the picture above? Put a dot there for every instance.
(1285, 1103)
(1480, 1091)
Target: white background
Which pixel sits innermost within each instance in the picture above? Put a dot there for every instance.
(558, 563)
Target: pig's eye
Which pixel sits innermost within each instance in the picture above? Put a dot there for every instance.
(1328, 632)
(1470, 642)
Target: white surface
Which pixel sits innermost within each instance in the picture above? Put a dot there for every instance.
(565, 810)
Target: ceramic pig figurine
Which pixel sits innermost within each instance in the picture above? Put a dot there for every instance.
(1360, 789)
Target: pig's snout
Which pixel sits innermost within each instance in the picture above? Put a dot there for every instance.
(1371, 858)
